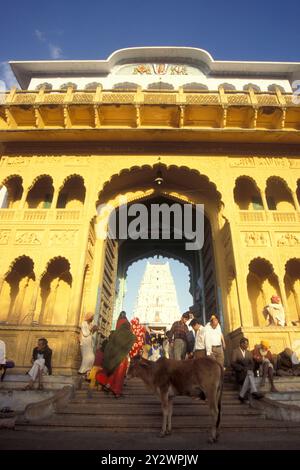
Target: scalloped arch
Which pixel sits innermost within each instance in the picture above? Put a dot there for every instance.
(264, 262)
(15, 260)
(159, 252)
(14, 175)
(162, 166)
(292, 261)
(247, 177)
(37, 178)
(53, 260)
(251, 85)
(67, 178)
(277, 179)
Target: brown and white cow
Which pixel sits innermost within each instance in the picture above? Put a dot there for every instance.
(192, 377)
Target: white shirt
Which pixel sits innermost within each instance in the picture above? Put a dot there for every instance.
(213, 337)
(295, 359)
(199, 338)
(243, 351)
(2, 352)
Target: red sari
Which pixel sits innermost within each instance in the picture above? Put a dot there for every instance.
(115, 381)
(139, 331)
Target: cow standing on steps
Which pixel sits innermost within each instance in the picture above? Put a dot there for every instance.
(192, 377)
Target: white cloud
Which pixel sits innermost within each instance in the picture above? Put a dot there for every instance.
(55, 51)
(7, 76)
(40, 35)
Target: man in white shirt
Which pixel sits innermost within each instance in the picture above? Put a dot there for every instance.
(199, 348)
(242, 363)
(214, 340)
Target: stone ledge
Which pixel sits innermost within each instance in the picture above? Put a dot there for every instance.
(52, 382)
(272, 408)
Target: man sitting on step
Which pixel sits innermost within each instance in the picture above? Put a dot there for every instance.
(41, 360)
(242, 364)
(288, 363)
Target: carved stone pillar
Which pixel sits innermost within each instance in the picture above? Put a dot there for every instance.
(296, 203)
(2, 279)
(284, 299)
(34, 316)
(264, 200)
(55, 198)
(23, 199)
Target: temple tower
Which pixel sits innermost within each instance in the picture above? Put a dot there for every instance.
(157, 305)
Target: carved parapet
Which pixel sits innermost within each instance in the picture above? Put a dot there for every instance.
(44, 109)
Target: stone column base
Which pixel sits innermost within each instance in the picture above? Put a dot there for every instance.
(279, 337)
(63, 340)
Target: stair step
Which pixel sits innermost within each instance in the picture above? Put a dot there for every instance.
(142, 410)
(63, 421)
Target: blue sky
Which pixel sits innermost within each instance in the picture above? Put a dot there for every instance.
(232, 30)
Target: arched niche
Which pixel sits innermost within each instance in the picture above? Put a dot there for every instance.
(17, 292)
(262, 283)
(41, 193)
(72, 193)
(246, 194)
(278, 195)
(11, 192)
(55, 292)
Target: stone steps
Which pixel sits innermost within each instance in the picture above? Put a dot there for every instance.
(50, 382)
(140, 412)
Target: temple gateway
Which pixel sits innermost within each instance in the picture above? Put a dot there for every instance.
(152, 124)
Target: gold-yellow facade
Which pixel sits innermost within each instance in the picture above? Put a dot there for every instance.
(63, 153)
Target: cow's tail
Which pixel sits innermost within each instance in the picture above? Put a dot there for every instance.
(220, 390)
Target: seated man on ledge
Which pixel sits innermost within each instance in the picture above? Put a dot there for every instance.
(242, 363)
(288, 363)
(264, 363)
(41, 360)
(274, 312)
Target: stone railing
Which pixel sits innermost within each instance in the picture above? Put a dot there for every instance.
(285, 217)
(251, 216)
(140, 96)
(94, 109)
(41, 215)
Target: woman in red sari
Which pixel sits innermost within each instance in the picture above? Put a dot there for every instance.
(115, 360)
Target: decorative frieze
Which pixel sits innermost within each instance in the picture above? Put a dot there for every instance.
(255, 162)
(256, 238)
(288, 239)
(63, 237)
(28, 237)
(45, 160)
(4, 237)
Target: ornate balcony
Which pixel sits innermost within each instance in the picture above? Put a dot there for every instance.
(238, 111)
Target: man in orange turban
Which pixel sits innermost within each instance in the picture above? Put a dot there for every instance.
(263, 361)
